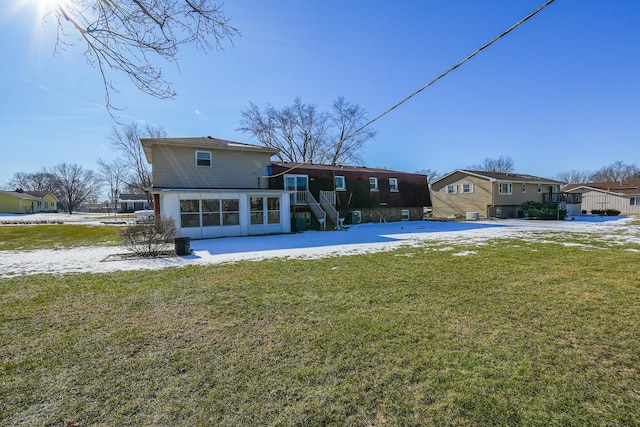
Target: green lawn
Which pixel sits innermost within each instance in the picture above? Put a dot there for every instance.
(513, 334)
(48, 236)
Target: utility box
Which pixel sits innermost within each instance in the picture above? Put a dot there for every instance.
(183, 246)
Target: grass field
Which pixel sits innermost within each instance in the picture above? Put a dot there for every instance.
(514, 333)
(49, 236)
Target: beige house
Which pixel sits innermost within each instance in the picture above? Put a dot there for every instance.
(27, 202)
(481, 194)
(599, 196)
(214, 188)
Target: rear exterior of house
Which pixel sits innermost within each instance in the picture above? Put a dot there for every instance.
(331, 195)
(215, 188)
(481, 194)
(599, 196)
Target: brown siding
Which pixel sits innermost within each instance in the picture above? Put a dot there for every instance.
(413, 190)
(175, 167)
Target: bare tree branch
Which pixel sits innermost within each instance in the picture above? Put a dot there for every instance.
(128, 36)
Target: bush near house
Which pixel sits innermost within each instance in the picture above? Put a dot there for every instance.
(606, 212)
(537, 210)
(150, 239)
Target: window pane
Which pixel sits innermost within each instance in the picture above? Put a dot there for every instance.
(274, 217)
(256, 204)
(189, 220)
(189, 205)
(257, 218)
(302, 183)
(210, 219)
(211, 205)
(229, 205)
(273, 203)
(230, 218)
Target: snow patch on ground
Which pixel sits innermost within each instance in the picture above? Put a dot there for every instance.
(359, 239)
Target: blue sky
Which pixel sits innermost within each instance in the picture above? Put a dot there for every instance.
(561, 92)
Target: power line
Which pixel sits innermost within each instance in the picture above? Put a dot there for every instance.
(486, 45)
(458, 65)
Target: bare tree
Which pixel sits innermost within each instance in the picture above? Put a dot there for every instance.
(431, 174)
(127, 142)
(36, 181)
(573, 176)
(127, 35)
(500, 164)
(616, 171)
(347, 117)
(115, 176)
(74, 185)
(302, 133)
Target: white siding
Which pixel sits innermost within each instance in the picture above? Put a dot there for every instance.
(599, 200)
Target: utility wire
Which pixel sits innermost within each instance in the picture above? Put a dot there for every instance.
(459, 64)
(495, 39)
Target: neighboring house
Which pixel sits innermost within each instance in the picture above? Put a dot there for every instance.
(482, 194)
(213, 188)
(27, 202)
(599, 196)
(133, 202)
(48, 201)
(328, 195)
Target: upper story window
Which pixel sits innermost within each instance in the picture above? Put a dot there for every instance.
(341, 184)
(373, 184)
(203, 158)
(505, 188)
(393, 184)
(452, 189)
(524, 187)
(467, 188)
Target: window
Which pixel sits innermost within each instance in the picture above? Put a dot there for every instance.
(39, 203)
(406, 214)
(341, 184)
(467, 188)
(452, 189)
(210, 212)
(273, 210)
(257, 211)
(505, 188)
(393, 184)
(633, 201)
(539, 188)
(524, 187)
(189, 213)
(373, 184)
(203, 158)
(230, 212)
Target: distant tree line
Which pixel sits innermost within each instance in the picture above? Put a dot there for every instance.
(74, 185)
(616, 171)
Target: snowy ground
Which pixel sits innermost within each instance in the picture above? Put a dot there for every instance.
(363, 238)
